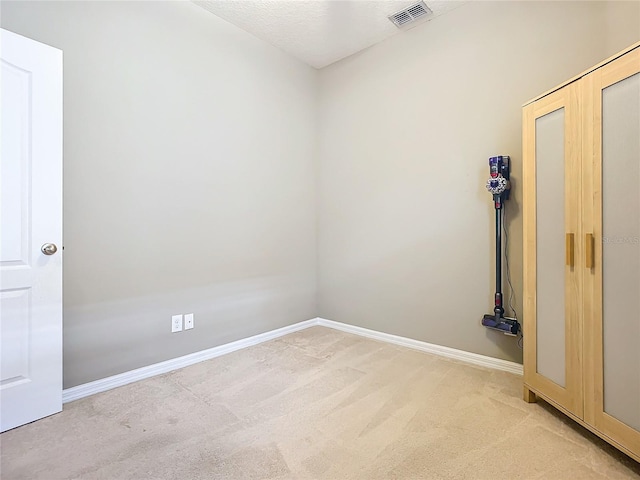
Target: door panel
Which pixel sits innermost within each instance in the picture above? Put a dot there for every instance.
(550, 242)
(620, 252)
(552, 330)
(30, 216)
(612, 285)
(16, 188)
(15, 304)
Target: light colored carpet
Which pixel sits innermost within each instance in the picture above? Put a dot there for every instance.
(316, 404)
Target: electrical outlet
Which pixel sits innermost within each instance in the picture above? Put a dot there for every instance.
(188, 321)
(176, 323)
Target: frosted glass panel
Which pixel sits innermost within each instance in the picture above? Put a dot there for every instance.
(621, 249)
(550, 240)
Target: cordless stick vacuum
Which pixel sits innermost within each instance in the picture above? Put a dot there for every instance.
(499, 186)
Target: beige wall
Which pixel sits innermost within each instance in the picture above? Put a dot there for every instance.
(188, 180)
(190, 183)
(405, 131)
(622, 24)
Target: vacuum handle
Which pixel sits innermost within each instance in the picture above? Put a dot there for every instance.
(589, 261)
(569, 249)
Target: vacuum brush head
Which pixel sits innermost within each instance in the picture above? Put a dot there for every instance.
(508, 326)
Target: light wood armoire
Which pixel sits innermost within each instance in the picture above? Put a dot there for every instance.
(581, 189)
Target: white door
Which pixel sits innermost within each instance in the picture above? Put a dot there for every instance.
(30, 222)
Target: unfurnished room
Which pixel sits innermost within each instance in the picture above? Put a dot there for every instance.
(320, 239)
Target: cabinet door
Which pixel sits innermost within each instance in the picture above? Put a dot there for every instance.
(552, 229)
(612, 263)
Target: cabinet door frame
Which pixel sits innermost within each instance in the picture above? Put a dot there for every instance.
(570, 397)
(593, 84)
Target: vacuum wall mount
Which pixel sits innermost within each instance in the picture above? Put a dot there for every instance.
(500, 187)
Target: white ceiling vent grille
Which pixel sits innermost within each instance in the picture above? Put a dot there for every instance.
(410, 14)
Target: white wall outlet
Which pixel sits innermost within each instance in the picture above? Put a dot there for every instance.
(176, 323)
(188, 321)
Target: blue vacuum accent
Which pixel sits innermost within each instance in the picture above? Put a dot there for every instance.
(508, 326)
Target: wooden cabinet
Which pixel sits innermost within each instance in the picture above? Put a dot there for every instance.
(581, 188)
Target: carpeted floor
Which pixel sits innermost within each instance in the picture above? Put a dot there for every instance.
(316, 404)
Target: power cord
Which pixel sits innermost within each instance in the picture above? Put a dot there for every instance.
(506, 259)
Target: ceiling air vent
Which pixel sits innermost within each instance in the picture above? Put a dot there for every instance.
(410, 14)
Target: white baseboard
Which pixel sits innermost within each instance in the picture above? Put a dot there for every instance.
(104, 384)
(461, 355)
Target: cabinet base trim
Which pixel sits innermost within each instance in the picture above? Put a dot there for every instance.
(582, 423)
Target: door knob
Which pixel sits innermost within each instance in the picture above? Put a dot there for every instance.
(49, 248)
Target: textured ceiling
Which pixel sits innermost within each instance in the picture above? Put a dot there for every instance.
(318, 32)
